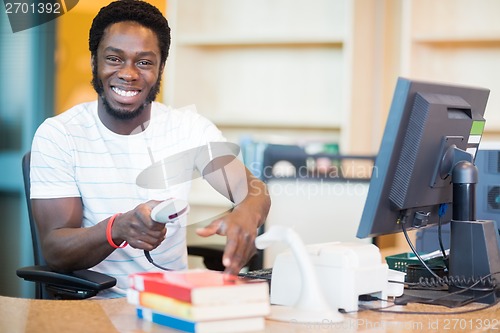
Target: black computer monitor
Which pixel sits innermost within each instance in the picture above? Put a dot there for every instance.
(432, 134)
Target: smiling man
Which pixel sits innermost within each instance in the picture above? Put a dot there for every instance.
(89, 211)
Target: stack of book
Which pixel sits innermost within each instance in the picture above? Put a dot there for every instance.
(200, 301)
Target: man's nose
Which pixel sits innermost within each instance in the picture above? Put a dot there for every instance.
(128, 72)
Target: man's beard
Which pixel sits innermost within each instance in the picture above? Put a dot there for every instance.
(118, 113)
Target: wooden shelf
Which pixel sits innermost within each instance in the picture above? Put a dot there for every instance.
(277, 126)
(241, 123)
(458, 41)
(201, 41)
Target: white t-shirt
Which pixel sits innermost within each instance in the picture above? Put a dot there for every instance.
(74, 155)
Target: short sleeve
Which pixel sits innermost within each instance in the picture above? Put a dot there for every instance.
(52, 172)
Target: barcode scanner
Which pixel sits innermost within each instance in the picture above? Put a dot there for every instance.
(169, 211)
(166, 212)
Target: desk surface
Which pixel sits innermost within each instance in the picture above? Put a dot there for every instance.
(116, 315)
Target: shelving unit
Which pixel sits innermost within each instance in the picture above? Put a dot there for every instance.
(261, 66)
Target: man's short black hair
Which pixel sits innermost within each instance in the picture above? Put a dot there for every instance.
(138, 11)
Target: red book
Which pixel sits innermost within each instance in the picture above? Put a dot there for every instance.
(201, 287)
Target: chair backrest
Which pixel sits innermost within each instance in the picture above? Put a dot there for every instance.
(37, 250)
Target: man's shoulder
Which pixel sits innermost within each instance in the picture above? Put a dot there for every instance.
(79, 113)
(164, 108)
(186, 114)
(186, 122)
(79, 116)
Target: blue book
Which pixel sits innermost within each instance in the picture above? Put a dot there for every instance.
(214, 326)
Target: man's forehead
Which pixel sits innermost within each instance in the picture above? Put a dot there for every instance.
(128, 24)
(127, 30)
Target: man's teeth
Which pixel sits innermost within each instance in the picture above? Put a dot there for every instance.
(125, 93)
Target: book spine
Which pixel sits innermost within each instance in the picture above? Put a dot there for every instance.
(165, 320)
(141, 283)
(200, 289)
(160, 303)
(252, 324)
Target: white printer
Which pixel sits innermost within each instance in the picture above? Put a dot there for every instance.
(344, 271)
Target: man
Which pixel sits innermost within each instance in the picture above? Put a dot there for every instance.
(85, 162)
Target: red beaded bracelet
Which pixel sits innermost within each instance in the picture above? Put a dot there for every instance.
(108, 233)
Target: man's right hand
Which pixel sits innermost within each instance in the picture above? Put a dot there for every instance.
(138, 229)
(66, 246)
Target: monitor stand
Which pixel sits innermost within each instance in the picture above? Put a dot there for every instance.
(474, 253)
(474, 260)
(474, 245)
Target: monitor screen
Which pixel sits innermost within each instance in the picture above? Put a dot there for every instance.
(430, 127)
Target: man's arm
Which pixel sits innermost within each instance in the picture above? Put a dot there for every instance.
(232, 179)
(66, 246)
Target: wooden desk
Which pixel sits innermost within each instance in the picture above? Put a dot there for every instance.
(116, 315)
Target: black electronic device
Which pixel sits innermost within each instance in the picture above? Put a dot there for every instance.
(424, 175)
(79, 284)
(167, 212)
(487, 162)
(488, 189)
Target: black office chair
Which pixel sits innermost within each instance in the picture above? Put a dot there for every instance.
(85, 283)
(49, 284)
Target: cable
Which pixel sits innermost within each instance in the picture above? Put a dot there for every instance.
(461, 282)
(436, 313)
(441, 212)
(415, 251)
(475, 299)
(146, 253)
(367, 308)
(456, 281)
(148, 256)
(384, 308)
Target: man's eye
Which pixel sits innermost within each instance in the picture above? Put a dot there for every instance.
(112, 59)
(144, 63)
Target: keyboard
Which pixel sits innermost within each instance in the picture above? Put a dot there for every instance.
(265, 274)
